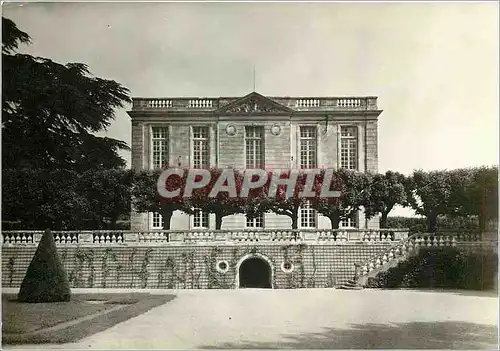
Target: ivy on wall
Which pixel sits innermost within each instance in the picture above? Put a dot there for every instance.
(108, 253)
(188, 259)
(312, 279)
(131, 266)
(296, 278)
(143, 273)
(169, 265)
(11, 264)
(185, 267)
(330, 280)
(90, 265)
(216, 280)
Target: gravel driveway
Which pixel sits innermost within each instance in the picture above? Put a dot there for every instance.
(308, 318)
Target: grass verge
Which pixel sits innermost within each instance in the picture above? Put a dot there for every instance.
(62, 322)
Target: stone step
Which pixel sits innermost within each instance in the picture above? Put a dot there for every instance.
(351, 285)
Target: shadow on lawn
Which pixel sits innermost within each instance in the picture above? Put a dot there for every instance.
(414, 335)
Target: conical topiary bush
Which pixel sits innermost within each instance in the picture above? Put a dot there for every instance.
(46, 279)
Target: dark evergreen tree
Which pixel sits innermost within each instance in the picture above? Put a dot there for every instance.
(45, 280)
(51, 111)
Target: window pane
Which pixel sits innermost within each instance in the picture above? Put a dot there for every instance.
(308, 145)
(254, 150)
(157, 221)
(308, 216)
(201, 154)
(200, 219)
(159, 142)
(350, 222)
(349, 148)
(257, 222)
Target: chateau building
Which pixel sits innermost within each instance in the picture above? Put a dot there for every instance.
(250, 132)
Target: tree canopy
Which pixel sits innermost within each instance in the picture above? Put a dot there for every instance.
(50, 111)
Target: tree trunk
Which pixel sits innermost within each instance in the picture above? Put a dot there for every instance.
(166, 216)
(482, 216)
(335, 221)
(383, 219)
(112, 222)
(218, 221)
(432, 223)
(482, 226)
(295, 221)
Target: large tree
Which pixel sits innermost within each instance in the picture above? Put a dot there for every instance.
(474, 192)
(43, 199)
(108, 194)
(386, 191)
(285, 201)
(65, 199)
(222, 203)
(430, 195)
(354, 191)
(51, 111)
(146, 197)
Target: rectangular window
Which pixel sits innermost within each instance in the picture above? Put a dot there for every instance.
(201, 155)
(307, 216)
(200, 219)
(308, 147)
(159, 144)
(349, 148)
(351, 222)
(257, 222)
(254, 150)
(157, 221)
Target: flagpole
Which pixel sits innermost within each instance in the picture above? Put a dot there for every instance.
(253, 77)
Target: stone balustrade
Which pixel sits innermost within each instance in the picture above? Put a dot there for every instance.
(200, 103)
(173, 237)
(297, 103)
(350, 102)
(409, 246)
(300, 103)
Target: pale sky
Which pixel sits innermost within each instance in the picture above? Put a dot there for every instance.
(434, 66)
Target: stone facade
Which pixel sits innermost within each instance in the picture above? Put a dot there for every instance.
(327, 115)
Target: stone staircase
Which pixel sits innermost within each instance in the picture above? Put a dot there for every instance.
(400, 252)
(351, 284)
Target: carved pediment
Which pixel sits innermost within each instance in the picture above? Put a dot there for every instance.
(253, 103)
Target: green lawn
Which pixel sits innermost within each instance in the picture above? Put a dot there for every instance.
(24, 323)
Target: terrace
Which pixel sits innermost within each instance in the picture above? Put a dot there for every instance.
(179, 237)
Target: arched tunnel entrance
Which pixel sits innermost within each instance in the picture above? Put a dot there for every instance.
(255, 272)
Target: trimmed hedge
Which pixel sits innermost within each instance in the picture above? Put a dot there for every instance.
(45, 280)
(445, 268)
(444, 223)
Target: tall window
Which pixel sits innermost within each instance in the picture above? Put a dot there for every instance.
(200, 219)
(350, 222)
(307, 216)
(349, 148)
(159, 142)
(257, 222)
(254, 150)
(157, 221)
(308, 147)
(201, 155)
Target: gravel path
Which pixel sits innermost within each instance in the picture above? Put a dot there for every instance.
(307, 318)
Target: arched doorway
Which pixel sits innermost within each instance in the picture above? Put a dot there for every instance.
(255, 272)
